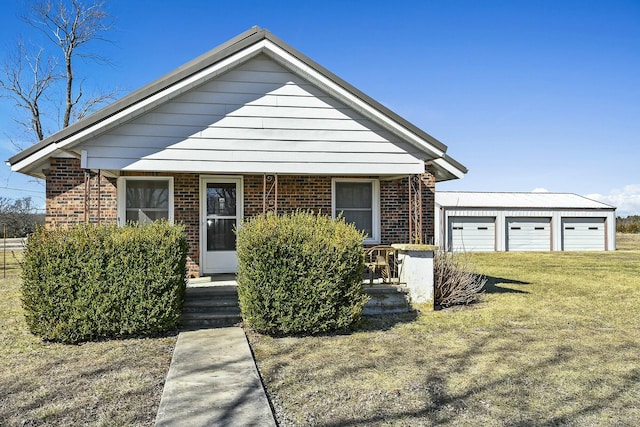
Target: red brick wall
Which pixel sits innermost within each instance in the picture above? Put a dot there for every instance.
(66, 205)
(314, 192)
(428, 207)
(394, 211)
(65, 191)
(294, 192)
(186, 210)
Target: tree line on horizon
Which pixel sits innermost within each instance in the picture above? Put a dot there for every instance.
(19, 217)
(629, 224)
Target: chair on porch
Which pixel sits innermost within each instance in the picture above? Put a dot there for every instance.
(381, 258)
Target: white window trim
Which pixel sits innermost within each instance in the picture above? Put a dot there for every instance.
(375, 208)
(122, 191)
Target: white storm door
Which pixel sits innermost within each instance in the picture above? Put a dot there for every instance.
(221, 214)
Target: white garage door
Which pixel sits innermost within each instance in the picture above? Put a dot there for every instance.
(528, 234)
(472, 234)
(583, 234)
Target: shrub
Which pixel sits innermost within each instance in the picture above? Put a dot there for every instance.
(300, 274)
(455, 282)
(103, 281)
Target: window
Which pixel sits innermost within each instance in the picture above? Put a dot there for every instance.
(145, 199)
(358, 200)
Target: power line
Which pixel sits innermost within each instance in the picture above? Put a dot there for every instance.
(22, 189)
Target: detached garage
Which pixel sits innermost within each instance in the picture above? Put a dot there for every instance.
(477, 222)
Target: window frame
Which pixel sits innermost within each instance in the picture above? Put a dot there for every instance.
(375, 208)
(122, 193)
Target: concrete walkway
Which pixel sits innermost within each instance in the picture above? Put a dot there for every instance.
(213, 381)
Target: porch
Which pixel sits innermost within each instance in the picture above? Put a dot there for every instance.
(212, 301)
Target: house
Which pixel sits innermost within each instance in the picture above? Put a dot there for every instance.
(249, 127)
(469, 221)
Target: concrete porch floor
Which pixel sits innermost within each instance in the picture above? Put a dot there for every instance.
(229, 279)
(213, 280)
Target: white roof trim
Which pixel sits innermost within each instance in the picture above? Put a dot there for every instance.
(30, 163)
(142, 106)
(448, 167)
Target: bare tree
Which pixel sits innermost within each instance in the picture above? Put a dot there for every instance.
(32, 80)
(27, 79)
(20, 216)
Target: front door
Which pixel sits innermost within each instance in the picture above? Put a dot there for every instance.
(221, 213)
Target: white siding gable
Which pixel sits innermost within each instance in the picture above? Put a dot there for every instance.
(258, 117)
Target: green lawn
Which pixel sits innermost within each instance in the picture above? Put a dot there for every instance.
(555, 341)
(108, 383)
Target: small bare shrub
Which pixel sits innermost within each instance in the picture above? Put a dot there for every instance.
(455, 282)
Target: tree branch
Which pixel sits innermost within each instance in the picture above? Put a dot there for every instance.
(30, 79)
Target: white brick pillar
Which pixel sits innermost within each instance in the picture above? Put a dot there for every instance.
(416, 270)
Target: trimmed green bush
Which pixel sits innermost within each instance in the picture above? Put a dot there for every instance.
(300, 274)
(104, 281)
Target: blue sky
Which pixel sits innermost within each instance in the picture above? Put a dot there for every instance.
(528, 95)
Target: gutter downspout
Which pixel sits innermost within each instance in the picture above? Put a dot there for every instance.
(99, 192)
(87, 182)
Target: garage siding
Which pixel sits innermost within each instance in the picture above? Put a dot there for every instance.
(528, 234)
(583, 234)
(472, 234)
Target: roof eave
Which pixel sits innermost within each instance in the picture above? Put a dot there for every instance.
(355, 91)
(448, 167)
(228, 48)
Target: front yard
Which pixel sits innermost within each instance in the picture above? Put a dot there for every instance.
(108, 383)
(556, 341)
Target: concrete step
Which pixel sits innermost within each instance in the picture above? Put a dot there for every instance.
(209, 319)
(211, 306)
(387, 299)
(197, 291)
(217, 306)
(212, 301)
(213, 310)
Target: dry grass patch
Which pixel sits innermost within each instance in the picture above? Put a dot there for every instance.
(555, 341)
(627, 241)
(110, 383)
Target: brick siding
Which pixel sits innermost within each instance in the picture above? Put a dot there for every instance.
(66, 201)
(65, 192)
(294, 192)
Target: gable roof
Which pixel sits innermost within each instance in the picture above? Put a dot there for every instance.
(220, 60)
(463, 199)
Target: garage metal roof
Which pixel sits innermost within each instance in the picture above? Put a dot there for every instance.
(464, 199)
